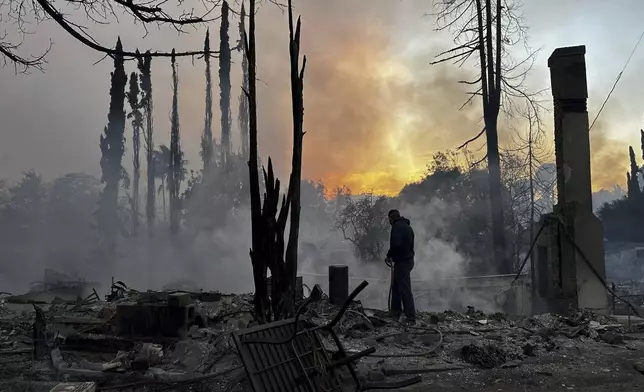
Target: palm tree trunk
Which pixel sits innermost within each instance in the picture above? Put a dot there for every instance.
(165, 213)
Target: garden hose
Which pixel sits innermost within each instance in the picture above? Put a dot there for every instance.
(389, 263)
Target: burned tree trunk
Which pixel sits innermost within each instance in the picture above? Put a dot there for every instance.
(224, 82)
(257, 258)
(269, 224)
(297, 87)
(176, 157)
(243, 98)
(491, 117)
(144, 65)
(486, 28)
(273, 227)
(112, 146)
(206, 137)
(137, 126)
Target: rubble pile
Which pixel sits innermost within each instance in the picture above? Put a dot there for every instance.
(89, 339)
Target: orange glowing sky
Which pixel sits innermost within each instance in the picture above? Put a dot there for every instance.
(374, 113)
(375, 110)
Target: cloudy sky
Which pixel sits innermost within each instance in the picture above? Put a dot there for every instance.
(375, 110)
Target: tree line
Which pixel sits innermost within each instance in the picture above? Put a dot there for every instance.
(217, 187)
(450, 203)
(483, 31)
(132, 99)
(166, 163)
(623, 217)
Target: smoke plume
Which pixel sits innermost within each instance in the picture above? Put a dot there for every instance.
(375, 113)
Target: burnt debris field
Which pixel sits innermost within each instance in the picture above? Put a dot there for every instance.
(432, 168)
(135, 340)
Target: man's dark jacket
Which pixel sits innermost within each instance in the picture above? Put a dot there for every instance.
(401, 246)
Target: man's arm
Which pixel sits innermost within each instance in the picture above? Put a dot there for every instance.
(395, 241)
(413, 239)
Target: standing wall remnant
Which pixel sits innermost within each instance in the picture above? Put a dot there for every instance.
(580, 233)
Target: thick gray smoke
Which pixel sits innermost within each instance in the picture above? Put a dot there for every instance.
(217, 260)
(439, 267)
(351, 59)
(217, 257)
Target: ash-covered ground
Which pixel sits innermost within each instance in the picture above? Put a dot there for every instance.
(52, 336)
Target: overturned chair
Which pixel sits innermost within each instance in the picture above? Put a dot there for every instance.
(288, 356)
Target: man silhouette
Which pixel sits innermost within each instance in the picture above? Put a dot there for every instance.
(401, 254)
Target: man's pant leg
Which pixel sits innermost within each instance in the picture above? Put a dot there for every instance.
(396, 299)
(402, 273)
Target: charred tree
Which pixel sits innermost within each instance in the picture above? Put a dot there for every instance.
(261, 303)
(112, 146)
(267, 229)
(145, 69)
(273, 224)
(642, 142)
(483, 29)
(269, 218)
(297, 89)
(137, 125)
(206, 137)
(633, 184)
(100, 12)
(524, 182)
(176, 156)
(243, 98)
(532, 160)
(224, 82)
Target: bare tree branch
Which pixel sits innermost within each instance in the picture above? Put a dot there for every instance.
(478, 162)
(23, 14)
(472, 139)
(472, 26)
(489, 27)
(9, 54)
(62, 22)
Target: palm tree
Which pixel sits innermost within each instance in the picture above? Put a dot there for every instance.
(161, 159)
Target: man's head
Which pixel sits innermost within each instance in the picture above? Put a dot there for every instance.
(393, 215)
